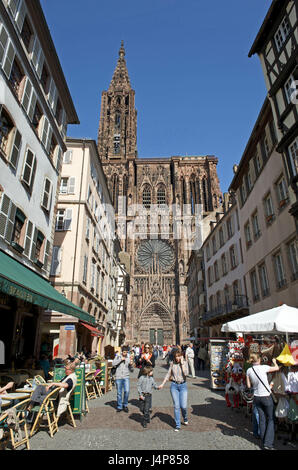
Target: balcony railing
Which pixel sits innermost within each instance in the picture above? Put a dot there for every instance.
(240, 302)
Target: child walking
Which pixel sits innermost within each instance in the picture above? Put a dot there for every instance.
(146, 383)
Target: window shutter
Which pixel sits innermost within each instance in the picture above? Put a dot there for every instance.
(45, 131)
(53, 96)
(4, 214)
(36, 52)
(10, 222)
(46, 255)
(9, 58)
(47, 192)
(49, 139)
(67, 158)
(59, 158)
(20, 18)
(27, 95)
(32, 105)
(12, 4)
(56, 261)
(33, 173)
(28, 238)
(28, 167)
(71, 185)
(3, 42)
(67, 220)
(15, 149)
(33, 248)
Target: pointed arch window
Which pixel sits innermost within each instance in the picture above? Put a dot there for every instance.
(115, 191)
(117, 122)
(193, 195)
(205, 194)
(147, 197)
(161, 196)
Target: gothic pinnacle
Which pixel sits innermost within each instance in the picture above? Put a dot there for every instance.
(122, 50)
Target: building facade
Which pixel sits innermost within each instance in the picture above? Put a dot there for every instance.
(155, 202)
(85, 261)
(276, 45)
(224, 269)
(35, 108)
(269, 238)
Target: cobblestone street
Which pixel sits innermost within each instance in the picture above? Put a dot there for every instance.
(212, 426)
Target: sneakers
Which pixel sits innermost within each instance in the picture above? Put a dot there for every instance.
(177, 429)
(185, 423)
(125, 409)
(144, 424)
(118, 410)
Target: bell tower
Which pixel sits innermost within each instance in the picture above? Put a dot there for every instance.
(117, 134)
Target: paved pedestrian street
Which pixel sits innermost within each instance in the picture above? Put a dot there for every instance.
(212, 426)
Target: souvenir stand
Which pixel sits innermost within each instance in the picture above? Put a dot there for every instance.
(276, 333)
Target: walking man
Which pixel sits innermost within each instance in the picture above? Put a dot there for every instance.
(124, 365)
(190, 356)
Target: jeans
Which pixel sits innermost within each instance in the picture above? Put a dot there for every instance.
(191, 366)
(146, 406)
(255, 421)
(179, 397)
(265, 408)
(122, 385)
(201, 364)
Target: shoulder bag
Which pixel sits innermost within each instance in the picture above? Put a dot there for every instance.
(275, 400)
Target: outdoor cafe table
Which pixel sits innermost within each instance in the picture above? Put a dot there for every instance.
(24, 390)
(15, 396)
(5, 403)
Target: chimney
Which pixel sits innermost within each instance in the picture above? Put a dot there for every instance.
(226, 202)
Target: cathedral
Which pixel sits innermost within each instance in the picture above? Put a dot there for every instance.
(155, 202)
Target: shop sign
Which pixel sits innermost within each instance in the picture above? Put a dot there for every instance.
(69, 327)
(20, 294)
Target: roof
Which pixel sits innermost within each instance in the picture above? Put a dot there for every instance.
(273, 13)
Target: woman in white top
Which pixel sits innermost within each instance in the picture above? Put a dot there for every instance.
(256, 378)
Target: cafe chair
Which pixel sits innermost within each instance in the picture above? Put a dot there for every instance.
(46, 410)
(97, 381)
(29, 382)
(90, 386)
(13, 424)
(39, 380)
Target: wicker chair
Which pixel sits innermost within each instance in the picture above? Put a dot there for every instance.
(10, 432)
(46, 409)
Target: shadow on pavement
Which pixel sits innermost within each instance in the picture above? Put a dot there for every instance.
(166, 418)
(113, 404)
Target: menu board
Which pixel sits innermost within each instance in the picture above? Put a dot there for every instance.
(78, 397)
(218, 361)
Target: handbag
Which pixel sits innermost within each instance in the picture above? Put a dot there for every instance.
(113, 370)
(274, 398)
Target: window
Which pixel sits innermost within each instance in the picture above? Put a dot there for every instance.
(248, 183)
(268, 208)
(147, 197)
(290, 89)
(53, 148)
(243, 193)
(85, 268)
(282, 192)
(293, 255)
(26, 33)
(29, 169)
(256, 227)
(257, 164)
(229, 228)
(38, 249)
(265, 148)
(56, 261)
(29, 99)
(63, 219)
(46, 134)
(6, 131)
(236, 291)
(16, 77)
(208, 252)
(18, 230)
(224, 265)
(279, 270)
(37, 57)
(293, 152)
(264, 280)
(282, 33)
(161, 196)
(216, 273)
(45, 79)
(93, 275)
(116, 144)
(47, 193)
(214, 245)
(254, 286)
(209, 277)
(247, 235)
(221, 237)
(3, 42)
(36, 118)
(233, 257)
(67, 157)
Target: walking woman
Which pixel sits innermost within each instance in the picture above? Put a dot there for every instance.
(256, 378)
(147, 358)
(177, 373)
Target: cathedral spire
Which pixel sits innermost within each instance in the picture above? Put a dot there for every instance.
(120, 80)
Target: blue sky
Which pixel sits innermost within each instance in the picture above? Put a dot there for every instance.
(197, 92)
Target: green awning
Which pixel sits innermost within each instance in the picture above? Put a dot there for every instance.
(19, 281)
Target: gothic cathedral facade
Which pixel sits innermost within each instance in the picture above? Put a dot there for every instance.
(148, 197)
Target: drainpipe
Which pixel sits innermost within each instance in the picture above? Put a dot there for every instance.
(78, 219)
